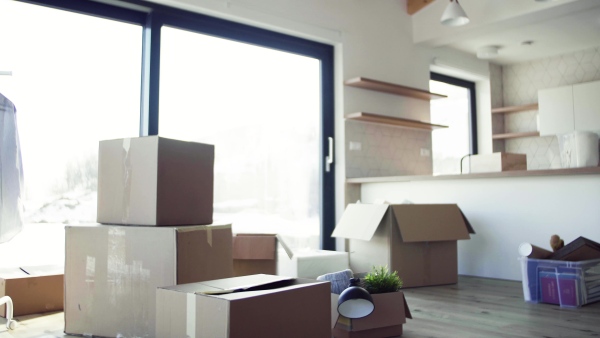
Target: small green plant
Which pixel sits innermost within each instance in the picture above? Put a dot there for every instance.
(381, 280)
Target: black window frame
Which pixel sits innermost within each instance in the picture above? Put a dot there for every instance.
(153, 16)
(472, 107)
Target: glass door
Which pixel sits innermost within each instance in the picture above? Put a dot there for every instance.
(261, 108)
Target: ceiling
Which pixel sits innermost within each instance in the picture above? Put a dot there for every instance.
(554, 27)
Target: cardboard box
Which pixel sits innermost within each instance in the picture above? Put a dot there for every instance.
(496, 162)
(35, 289)
(262, 306)
(417, 240)
(254, 254)
(155, 181)
(311, 263)
(389, 315)
(269, 254)
(112, 272)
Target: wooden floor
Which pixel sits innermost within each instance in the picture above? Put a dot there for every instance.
(475, 307)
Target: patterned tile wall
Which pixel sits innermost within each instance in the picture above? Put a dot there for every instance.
(521, 83)
(386, 150)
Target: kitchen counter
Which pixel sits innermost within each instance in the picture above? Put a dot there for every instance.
(515, 173)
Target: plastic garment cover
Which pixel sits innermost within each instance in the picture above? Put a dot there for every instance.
(11, 173)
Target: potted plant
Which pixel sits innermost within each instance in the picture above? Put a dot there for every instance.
(390, 311)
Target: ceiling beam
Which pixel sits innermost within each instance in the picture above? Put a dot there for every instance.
(413, 6)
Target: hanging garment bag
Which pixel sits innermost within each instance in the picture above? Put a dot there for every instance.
(11, 173)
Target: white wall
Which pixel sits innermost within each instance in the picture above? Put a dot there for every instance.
(505, 212)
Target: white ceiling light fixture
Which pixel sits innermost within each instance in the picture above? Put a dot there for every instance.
(487, 52)
(454, 15)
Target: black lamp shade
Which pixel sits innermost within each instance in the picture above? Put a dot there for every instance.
(355, 302)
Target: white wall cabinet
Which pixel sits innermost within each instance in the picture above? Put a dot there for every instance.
(566, 109)
(586, 104)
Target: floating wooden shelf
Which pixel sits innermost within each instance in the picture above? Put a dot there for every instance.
(515, 135)
(380, 86)
(395, 121)
(515, 109)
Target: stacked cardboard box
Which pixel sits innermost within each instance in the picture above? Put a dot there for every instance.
(155, 199)
(269, 254)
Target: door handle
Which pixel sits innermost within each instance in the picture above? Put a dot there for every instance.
(329, 157)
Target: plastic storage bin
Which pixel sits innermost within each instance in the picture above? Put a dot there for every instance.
(568, 284)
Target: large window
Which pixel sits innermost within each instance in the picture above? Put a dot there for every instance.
(85, 71)
(457, 111)
(75, 80)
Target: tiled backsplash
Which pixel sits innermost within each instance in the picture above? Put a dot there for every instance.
(380, 150)
(520, 84)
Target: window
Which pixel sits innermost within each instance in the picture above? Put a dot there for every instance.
(76, 86)
(451, 144)
(75, 80)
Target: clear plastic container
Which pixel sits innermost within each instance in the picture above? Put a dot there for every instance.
(568, 284)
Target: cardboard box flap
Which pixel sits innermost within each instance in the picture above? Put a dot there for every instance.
(254, 246)
(244, 283)
(467, 223)
(360, 221)
(407, 313)
(44, 270)
(430, 222)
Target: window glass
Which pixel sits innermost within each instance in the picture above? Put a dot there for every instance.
(450, 144)
(261, 109)
(75, 81)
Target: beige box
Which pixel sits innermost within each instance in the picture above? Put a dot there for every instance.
(311, 263)
(112, 272)
(387, 319)
(417, 240)
(262, 306)
(254, 254)
(155, 181)
(496, 162)
(34, 289)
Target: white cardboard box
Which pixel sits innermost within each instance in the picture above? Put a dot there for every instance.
(497, 162)
(155, 181)
(264, 306)
(311, 263)
(112, 272)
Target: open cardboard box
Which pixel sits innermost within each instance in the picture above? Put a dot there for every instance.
(270, 254)
(34, 289)
(417, 240)
(264, 306)
(112, 272)
(389, 315)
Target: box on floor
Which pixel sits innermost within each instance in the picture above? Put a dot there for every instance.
(263, 306)
(112, 272)
(34, 289)
(155, 181)
(269, 254)
(386, 320)
(417, 240)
